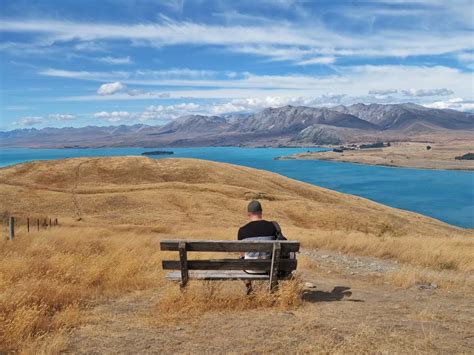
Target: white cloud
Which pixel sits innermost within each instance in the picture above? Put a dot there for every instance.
(84, 75)
(39, 120)
(467, 57)
(116, 60)
(296, 41)
(383, 92)
(62, 116)
(169, 112)
(348, 80)
(29, 121)
(114, 116)
(427, 92)
(143, 74)
(317, 60)
(456, 103)
(110, 88)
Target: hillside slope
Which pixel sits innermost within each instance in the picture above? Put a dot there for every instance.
(186, 192)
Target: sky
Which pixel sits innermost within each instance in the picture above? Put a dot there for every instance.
(68, 63)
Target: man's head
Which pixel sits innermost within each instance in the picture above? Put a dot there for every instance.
(254, 210)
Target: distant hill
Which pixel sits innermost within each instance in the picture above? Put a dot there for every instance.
(288, 125)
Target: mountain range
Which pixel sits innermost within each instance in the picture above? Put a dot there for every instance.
(287, 125)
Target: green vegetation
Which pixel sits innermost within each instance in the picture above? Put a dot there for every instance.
(467, 156)
(374, 145)
(158, 152)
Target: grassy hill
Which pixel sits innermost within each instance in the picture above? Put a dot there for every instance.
(181, 194)
(114, 211)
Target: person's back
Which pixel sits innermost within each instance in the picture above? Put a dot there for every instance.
(257, 229)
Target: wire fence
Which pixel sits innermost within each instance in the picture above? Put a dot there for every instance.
(11, 224)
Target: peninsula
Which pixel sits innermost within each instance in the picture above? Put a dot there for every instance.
(443, 155)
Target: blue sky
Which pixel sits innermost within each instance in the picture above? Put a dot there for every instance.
(77, 63)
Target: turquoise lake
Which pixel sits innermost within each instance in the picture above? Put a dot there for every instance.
(442, 194)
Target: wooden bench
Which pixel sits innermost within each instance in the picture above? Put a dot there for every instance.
(228, 269)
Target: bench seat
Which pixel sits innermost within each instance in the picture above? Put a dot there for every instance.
(219, 275)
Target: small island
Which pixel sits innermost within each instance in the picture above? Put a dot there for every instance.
(158, 152)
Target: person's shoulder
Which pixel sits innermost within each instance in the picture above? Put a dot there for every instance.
(269, 223)
(245, 226)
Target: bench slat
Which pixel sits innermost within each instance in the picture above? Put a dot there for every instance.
(230, 246)
(219, 275)
(230, 264)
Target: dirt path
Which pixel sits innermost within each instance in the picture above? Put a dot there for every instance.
(77, 208)
(343, 312)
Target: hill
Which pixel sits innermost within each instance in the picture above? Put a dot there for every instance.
(95, 284)
(288, 125)
(190, 191)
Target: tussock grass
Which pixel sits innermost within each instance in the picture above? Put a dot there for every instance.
(46, 278)
(422, 251)
(409, 276)
(204, 296)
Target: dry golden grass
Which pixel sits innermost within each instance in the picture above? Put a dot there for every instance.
(46, 278)
(125, 205)
(409, 276)
(202, 297)
(420, 251)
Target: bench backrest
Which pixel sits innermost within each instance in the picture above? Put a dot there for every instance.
(230, 245)
(272, 265)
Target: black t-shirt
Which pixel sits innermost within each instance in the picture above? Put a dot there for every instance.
(257, 229)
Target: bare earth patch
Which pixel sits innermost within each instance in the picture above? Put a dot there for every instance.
(342, 314)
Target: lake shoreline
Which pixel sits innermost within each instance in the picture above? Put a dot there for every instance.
(297, 157)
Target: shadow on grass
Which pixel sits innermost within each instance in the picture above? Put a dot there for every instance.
(338, 293)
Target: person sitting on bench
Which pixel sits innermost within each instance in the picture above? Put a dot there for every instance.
(257, 229)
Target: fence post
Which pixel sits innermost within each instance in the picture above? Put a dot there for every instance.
(55, 221)
(50, 223)
(28, 224)
(38, 220)
(12, 228)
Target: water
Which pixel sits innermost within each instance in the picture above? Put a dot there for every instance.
(445, 195)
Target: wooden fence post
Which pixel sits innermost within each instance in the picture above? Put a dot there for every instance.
(38, 222)
(28, 224)
(12, 228)
(50, 223)
(55, 221)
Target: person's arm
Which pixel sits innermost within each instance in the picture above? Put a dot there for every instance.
(278, 232)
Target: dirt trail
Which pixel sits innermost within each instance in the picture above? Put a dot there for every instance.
(343, 312)
(77, 208)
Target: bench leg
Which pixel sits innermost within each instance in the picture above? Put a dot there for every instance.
(183, 258)
(274, 267)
